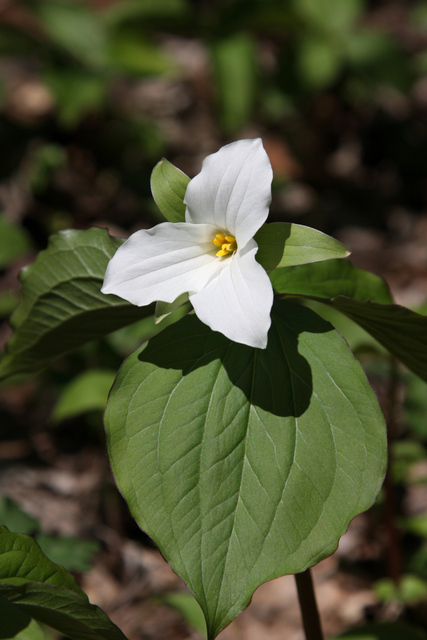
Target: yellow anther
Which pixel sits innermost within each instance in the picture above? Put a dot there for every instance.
(227, 243)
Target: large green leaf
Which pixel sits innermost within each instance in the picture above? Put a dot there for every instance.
(329, 279)
(168, 186)
(43, 590)
(282, 244)
(245, 464)
(62, 306)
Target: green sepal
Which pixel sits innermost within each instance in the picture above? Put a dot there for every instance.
(283, 244)
(168, 186)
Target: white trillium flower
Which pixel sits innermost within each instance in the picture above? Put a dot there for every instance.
(212, 254)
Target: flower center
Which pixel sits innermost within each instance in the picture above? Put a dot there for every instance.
(227, 244)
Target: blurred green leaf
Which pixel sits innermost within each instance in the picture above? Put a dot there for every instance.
(415, 524)
(17, 625)
(74, 27)
(131, 10)
(319, 60)
(44, 161)
(415, 405)
(129, 51)
(86, 392)
(168, 186)
(77, 92)
(189, 608)
(8, 302)
(62, 306)
(74, 554)
(366, 45)
(16, 520)
(234, 64)
(329, 15)
(14, 242)
(384, 631)
(411, 589)
(404, 453)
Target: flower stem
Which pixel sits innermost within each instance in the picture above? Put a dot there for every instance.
(307, 602)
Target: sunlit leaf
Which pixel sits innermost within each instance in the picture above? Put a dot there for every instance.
(245, 464)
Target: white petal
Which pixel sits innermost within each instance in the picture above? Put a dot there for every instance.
(162, 263)
(238, 301)
(233, 190)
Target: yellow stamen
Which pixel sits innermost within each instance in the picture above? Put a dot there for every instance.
(227, 243)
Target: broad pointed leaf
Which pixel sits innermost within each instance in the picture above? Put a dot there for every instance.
(168, 186)
(282, 244)
(245, 464)
(329, 279)
(62, 307)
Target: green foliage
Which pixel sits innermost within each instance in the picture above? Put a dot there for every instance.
(40, 589)
(384, 631)
(86, 392)
(189, 608)
(411, 589)
(62, 307)
(168, 186)
(74, 27)
(194, 406)
(236, 79)
(77, 93)
(22, 561)
(16, 520)
(14, 242)
(74, 554)
(281, 244)
(401, 331)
